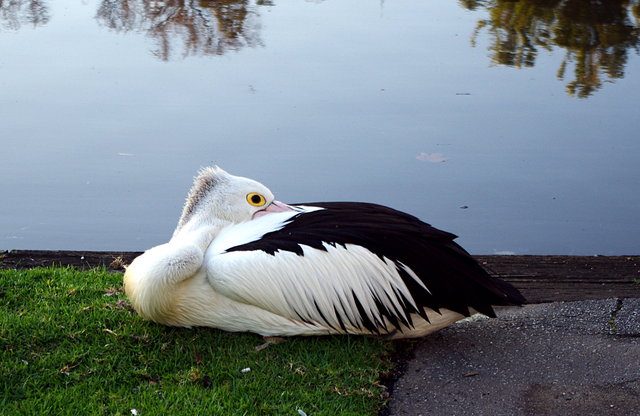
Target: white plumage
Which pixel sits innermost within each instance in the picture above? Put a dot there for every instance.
(241, 261)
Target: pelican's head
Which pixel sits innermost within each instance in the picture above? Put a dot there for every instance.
(219, 198)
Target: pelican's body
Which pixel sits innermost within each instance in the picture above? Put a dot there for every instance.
(241, 261)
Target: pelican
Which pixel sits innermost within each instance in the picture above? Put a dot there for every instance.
(239, 260)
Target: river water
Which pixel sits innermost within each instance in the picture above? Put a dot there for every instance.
(510, 124)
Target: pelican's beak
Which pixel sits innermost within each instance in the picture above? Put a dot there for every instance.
(275, 206)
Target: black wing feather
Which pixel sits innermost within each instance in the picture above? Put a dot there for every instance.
(454, 279)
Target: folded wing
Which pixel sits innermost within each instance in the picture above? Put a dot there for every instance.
(354, 267)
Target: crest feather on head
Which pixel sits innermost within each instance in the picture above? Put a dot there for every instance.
(206, 180)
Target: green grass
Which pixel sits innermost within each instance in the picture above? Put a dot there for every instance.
(71, 345)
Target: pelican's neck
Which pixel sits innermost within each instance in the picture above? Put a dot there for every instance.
(152, 278)
(198, 233)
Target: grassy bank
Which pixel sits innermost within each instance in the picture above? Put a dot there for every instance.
(70, 344)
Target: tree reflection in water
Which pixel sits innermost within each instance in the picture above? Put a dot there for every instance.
(596, 35)
(192, 27)
(14, 13)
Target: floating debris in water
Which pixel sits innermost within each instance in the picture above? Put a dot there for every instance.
(431, 157)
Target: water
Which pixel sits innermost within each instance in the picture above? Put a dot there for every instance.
(109, 108)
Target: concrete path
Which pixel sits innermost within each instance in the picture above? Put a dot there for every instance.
(563, 358)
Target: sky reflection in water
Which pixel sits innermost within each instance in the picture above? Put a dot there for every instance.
(109, 108)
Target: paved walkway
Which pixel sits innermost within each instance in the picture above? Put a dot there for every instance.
(563, 358)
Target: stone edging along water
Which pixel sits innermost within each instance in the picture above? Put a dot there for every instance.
(540, 278)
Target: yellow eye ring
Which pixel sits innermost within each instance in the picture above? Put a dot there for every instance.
(256, 199)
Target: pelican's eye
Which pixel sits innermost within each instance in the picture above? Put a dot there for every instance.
(256, 199)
